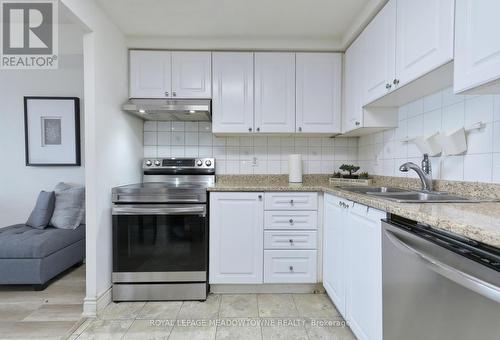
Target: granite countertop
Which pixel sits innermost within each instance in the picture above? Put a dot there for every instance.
(477, 221)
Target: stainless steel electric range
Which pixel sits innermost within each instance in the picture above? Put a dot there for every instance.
(160, 232)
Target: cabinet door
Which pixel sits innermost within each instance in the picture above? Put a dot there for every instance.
(236, 237)
(424, 37)
(274, 92)
(477, 45)
(232, 92)
(150, 74)
(364, 285)
(379, 51)
(191, 75)
(334, 239)
(352, 117)
(318, 99)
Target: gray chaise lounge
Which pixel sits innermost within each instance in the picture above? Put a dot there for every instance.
(34, 256)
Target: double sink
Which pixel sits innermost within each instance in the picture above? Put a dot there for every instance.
(409, 196)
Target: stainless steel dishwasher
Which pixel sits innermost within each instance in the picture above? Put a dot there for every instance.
(437, 285)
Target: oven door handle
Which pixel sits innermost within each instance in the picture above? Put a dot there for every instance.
(159, 209)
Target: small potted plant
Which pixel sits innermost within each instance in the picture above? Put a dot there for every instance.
(351, 169)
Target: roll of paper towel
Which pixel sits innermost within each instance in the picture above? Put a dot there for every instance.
(295, 168)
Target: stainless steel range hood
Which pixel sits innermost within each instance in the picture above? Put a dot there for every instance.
(170, 109)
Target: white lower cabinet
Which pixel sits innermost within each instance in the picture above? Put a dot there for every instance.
(290, 266)
(334, 239)
(236, 237)
(250, 245)
(353, 264)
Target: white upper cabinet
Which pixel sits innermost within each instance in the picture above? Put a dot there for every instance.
(424, 37)
(477, 46)
(318, 92)
(236, 237)
(191, 75)
(275, 92)
(232, 92)
(352, 116)
(378, 53)
(150, 74)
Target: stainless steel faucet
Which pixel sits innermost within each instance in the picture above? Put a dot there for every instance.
(425, 173)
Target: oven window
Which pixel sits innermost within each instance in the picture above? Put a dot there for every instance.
(159, 243)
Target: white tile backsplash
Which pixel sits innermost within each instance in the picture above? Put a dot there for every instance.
(247, 154)
(382, 153)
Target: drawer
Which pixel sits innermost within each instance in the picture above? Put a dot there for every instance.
(290, 266)
(291, 201)
(291, 220)
(276, 239)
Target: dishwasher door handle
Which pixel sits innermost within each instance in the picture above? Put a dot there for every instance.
(473, 283)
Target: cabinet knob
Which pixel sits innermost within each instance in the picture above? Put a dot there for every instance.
(300, 129)
(249, 129)
(258, 129)
(396, 82)
(291, 268)
(166, 94)
(291, 241)
(260, 197)
(388, 86)
(291, 202)
(291, 221)
(357, 123)
(174, 93)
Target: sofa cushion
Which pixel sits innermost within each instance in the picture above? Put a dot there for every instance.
(69, 209)
(41, 214)
(21, 241)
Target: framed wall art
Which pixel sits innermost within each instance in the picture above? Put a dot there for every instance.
(52, 131)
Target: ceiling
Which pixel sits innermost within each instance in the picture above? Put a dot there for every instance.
(244, 22)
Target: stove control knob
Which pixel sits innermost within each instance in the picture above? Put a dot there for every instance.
(149, 163)
(208, 162)
(199, 162)
(157, 163)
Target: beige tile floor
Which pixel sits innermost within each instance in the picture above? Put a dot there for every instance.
(240, 317)
(50, 314)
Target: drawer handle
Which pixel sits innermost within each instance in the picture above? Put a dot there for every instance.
(291, 221)
(291, 268)
(291, 242)
(291, 202)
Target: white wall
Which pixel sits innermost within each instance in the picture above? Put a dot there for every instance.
(382, 153)
(20, 184)
(113, 140)
(235, 155)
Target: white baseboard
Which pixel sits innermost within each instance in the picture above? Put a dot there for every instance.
(267, 288)
(91, 306)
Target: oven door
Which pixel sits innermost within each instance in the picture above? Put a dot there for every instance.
(160, 243)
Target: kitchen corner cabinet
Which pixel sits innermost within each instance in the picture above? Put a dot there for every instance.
(150, 74)
(404, 53)
(352, 267)
(318, 92)
(356, 119)
(477, 47)
(274, 92)
(165, 74)
(236, 237)
(232, 92)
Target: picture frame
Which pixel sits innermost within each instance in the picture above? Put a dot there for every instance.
(52, 131)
